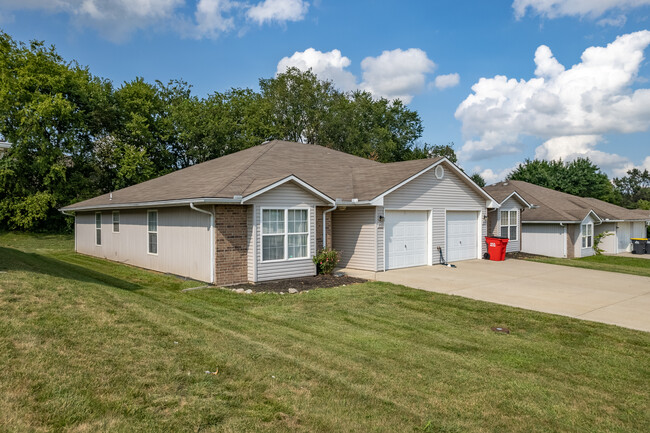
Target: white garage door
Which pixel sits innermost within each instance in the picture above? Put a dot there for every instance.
(462, 236)
(406, 239)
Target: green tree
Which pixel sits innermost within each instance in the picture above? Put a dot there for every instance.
(579, 177)
(50, 112)
(634, 188)
(478, 179)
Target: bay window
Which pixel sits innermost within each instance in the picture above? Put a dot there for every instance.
(285, 234)
(510, 224)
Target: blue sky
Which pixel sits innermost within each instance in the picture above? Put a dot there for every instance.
(587, 94)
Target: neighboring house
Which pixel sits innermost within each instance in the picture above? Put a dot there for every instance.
(4, 148)
(557, 224)
(262, 213)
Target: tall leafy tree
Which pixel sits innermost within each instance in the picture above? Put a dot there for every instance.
(580, 177)
(634, 188)
(50, 110)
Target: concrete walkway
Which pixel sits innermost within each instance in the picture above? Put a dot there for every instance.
(607, 297)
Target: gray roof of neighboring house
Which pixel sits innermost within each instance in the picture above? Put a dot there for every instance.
(333, 173)
(554, 205)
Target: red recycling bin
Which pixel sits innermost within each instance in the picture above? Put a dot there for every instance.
(496, 248)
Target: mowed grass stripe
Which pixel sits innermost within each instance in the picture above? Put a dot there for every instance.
(370, 357)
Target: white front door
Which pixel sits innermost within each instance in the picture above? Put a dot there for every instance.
(462, 236)
(407, 239)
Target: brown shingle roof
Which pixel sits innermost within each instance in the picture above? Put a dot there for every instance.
(559, 206)
(335, 174)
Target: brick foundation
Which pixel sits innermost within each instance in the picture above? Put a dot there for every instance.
(231, 244)
(319, 227)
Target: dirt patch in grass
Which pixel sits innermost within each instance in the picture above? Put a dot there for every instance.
(523, 256)
(300, 284)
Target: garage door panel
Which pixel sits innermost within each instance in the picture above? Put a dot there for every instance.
(406, 239)
(462, 235)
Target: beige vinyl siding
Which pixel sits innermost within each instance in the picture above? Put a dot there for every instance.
(543, 239)
(451, 193)
(184, 240)
(288, 195)
(508, 205)
(381, 263)
(439, 231)
(608, 243)
(354, 235)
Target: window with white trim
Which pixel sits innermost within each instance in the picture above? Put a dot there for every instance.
(116, 221)
(587, 235)
(510, 224)
(152, 231)
(98, 228)
(285, 234)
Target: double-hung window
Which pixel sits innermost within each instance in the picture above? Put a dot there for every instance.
(116, 221)
(285, 234)
(510, 224)
(152, 231)
(587, 235)
(98, 228)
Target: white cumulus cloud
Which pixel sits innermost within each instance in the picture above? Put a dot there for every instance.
(113, 19)
(278, 10)
(559, 8)
(592, 98)
(210, 18)
(397, 74)
(327, 66)
(445, 81)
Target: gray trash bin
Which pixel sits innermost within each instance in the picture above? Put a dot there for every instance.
(638, 245)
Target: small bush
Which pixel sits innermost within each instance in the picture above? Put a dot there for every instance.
(326, 260)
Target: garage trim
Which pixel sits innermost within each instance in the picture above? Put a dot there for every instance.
(479, 229)
(429, 236)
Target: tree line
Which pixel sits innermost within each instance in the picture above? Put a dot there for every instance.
(75, 135)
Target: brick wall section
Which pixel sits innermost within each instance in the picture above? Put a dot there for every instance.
(319, 227)
(231, 239)
(572, 232)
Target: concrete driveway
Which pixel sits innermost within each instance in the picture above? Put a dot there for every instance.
(607, 297)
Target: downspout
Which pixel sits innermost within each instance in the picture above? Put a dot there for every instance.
(212, 247)
(325, 222)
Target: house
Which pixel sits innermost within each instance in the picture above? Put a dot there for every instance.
(4, 148)
(556, 224)
(262, 213)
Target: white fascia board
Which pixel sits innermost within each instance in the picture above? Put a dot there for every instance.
(160, 203)
(421, 172)
(515, 194)
(591, 212)
(491, 204)
(291, 178)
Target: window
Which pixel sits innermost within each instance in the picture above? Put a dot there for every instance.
(587, 235)
(152, 231)
(509, 224)
(285, 234)
(98, 228)
(116, 221)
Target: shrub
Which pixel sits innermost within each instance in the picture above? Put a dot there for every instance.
(326, 260)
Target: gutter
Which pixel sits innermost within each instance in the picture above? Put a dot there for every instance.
(161, 203)
(212, 246)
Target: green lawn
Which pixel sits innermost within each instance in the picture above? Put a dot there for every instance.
(90, 345)
(624, 265)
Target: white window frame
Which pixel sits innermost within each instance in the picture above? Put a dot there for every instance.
(98, 229)
(516, 226)
(149, 212)
(587, 239)
(285, 234)
(116, 213)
